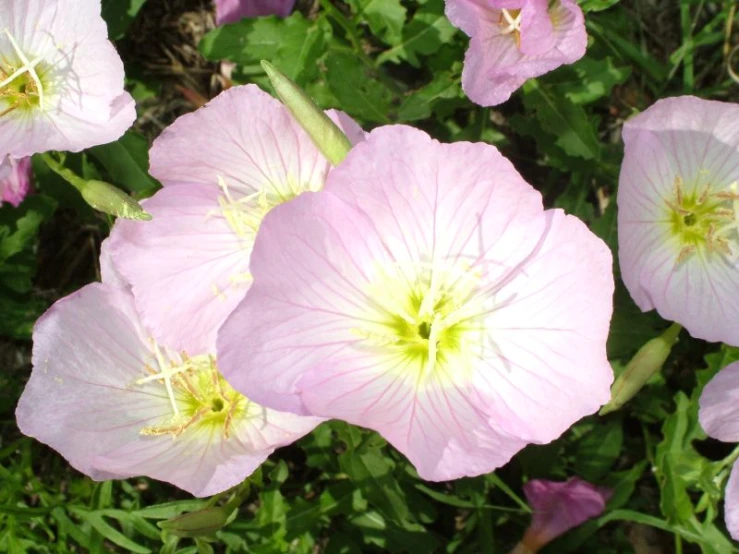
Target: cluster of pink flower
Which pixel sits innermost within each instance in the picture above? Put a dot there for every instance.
(418, 289)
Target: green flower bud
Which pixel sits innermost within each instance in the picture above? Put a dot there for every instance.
(112, 200)
(645, 363)
(326, 135)
(202, 522)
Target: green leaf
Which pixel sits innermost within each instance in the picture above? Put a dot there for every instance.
(564, 120)
(595, 80)
(711, 543)
(127, 162)
(371, 470)
(420, 103)
(678, 465)
(599, 450)
(385, 17)
(293, 44)
(427, 32)
(119, 14)
(597, 5)
(96, 520)
(358, 92)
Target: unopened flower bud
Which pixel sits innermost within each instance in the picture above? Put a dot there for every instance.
(199, 523)
(112, 200)
(646, 362)
(324, 133)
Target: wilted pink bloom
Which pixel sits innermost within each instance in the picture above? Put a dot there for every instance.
(223, 168)
(61, 80)
(229, 11)
(678, 214)
(15, 180)
(719, 417)
(560, 506)
(514, 40)
(116, 404)
(427, 295)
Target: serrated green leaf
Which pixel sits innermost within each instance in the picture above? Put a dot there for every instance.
(293, 44)
(599, 450)
(427, 32)
(564, 120)
(371, 470)
(385, 17)
(595, 80)
(420, 103)
(358, 92)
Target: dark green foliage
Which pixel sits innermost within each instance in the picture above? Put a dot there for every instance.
(343, 490)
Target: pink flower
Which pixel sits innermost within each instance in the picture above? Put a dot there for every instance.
(427, 295)
(719, 417)
(223, 168)
(15, 180)
(678, 214)
(230, 11)
(559, 507)
(514, 40)
(116, 404)
(61, 80)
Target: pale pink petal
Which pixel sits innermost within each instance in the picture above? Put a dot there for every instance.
(690, 145)
(731, 508)
(330, 268)
(559, 507)
(719, 405)
(186, 264)
(83, 400)
(78, 399)
(537, 30)
(80, 72)
(15, 180)
(223, 167)
(496, 64)
(246, 138)
(109, 273)
(229, 11)
(548, 336)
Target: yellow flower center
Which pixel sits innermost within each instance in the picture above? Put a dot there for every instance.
(23, 82)
(705, 220)
(200, 398)
(427, 320)
(245, 213)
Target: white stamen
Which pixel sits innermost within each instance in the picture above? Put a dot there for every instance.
(514, 24)
(168, 370)
(28, 67)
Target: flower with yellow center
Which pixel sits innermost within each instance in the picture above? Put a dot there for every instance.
(678, 221)
(116, 404)
(224, 168)
(426, 294)
(61, 80)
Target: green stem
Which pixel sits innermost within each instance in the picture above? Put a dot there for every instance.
(498, 482)
(67, 174)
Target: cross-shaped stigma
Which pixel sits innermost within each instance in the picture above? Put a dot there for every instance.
(27, 67)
